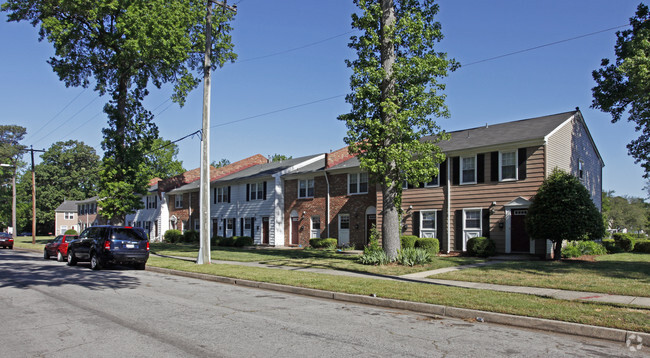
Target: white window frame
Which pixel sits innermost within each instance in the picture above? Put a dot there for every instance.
(197, 224)
(437, 177)
(178, 201)
(63, 229)
(307, 187)
(462, 159)
(222, 194)
(247, 223)
(581, 169)
(435, 222)
(358, 183)
(258, 189)
(516, 155)
(480, 219)
(68, 215)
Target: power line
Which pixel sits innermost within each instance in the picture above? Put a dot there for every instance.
(69, 119)
(61, 111)
(294, 49)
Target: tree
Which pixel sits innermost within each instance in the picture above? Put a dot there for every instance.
(161, 161)
(625, 84)
(279, 157)
(10, 153)
(68, 171)
(562, 210)
(124, 47)
(221, 163)
(395, 92)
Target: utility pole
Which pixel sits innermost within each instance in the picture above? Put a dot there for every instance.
(204, 188)
(31, 149)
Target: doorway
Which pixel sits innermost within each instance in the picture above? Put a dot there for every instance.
(520, 239)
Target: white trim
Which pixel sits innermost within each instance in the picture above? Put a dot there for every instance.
(426, 185)
(358, 183)
(313, 188)
(461, 170)
(518, 203)
(546, 137)
(500, 164)
(466, 229)
(435, 223)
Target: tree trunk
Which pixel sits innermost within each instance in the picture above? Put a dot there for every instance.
(390, 221)
(557, 250)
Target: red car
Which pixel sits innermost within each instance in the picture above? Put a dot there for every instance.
(58, 247)
(6, 240)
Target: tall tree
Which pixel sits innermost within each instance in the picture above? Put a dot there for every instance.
(10, 153)
(161, 161)
(625, 85)
(562, 210)
(68, 171)
(124, 47)
(395, 93)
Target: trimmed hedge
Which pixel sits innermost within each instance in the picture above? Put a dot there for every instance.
(642, 246)
(191, 237)
(173, 236)
(319, 243)
(429, 244)
(241, 241)
(481, 247)
(610, 246)
(408, 241)
(624, 241)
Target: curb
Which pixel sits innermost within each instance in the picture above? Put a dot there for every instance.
(576, 329)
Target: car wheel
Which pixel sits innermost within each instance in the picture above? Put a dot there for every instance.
(95, 262)
(71, 259)
(46, 255)
(59, 256)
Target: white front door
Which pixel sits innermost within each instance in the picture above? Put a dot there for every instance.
(344, 229)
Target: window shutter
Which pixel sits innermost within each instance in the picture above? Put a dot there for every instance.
(455, 170)
(480, 168)
(486, 222)
(439, 227)
(228, 193)
(214, 195)
(253, 227)
(224, 227)
(416, 223)
(241, 226)
(494, 166)
(522, 157)
(442, 174)
(264, 194)
(458, 238)
(248, 192)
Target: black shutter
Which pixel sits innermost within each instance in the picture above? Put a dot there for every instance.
(215, 195)
(224, 227)
(228, 193)
(248, 192)
(442, 174)
(440, 232)
(458, 238)
(494, 167)
(522, 156)
(264, 195)
(253, 227)
(486, 222)
(241, 226)
(480, 168)
(455, 170)
(416, 223)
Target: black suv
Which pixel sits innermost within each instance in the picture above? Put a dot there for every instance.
(105, 245)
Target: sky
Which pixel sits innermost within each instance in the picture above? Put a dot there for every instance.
(286, 90)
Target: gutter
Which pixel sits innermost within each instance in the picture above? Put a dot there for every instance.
(327, 204)
(448, 206)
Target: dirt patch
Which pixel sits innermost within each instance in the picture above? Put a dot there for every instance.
(583, 258)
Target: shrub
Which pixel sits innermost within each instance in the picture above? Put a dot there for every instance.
(429, 244)
(318, 243)
(71, 232)
(215, 240)
(241, 241)
(191, 237)
(642, 246)
(374, 257)
(408, 241)
(610, 246)
(624, 241)
(411, 256)
(481, 247)
(579, 248)
(173, 236)
(227, 241)
(571, 251)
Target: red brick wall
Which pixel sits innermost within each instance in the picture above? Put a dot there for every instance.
(183, 214)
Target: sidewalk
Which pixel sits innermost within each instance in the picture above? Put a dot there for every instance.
(421, 277)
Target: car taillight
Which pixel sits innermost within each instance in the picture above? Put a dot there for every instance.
(107, 245)
(147, 245)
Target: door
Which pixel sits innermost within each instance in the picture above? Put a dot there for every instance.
(265, 230)
(315, 227)
(520, 240)
(344, 229)
(371, 220)
(230, 227)
(472, 225)
(295, 230)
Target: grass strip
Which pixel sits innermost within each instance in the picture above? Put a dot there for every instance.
(592, 313)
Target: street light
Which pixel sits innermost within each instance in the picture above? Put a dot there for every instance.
(13, 199)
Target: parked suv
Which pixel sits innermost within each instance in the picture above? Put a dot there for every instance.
(105, 245)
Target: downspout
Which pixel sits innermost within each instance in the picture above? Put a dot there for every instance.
(448, 206)
(327, 204)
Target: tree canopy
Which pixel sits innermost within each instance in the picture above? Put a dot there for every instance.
(624, 86)
(124, 47)
(396, 91)
(161, 161)
(10, 153)
(624, 212)
(562, 210)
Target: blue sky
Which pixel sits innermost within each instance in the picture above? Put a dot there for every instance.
(286, 96)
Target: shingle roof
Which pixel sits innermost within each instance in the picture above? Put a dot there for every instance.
(67, 206)
(268, 169)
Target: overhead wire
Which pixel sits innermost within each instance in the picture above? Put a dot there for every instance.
(58, 113)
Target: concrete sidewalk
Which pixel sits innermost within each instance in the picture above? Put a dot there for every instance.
(421, 277)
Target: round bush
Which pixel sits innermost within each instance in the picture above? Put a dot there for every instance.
(173, 236)
(610, 246)
(481, 247)
(191, 237)
(241, 241)
(227, 241)
(71, 232)
(429, 244)
(642, 246)
(408, 241)
(571, 251)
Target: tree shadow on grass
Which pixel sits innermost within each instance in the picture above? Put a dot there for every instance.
(24, 270)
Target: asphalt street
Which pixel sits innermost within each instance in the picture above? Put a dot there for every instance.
(48, 309)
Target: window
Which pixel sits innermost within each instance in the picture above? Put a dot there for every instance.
(344, 221)
(178, 200)
(152, 202)
(358, 183)
(147, 226)
(473, 219)
(508, 165)
(468, 170)
(247, 223)
(581, 168)
(222, 195)
(256, 191)
(230, 224)
(428, 220)
(197, 225)
(64, 228)
(315, 222)
(68, 215)
(306, 188)
(435, 181)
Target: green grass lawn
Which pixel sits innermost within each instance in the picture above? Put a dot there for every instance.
(593, 313)
(620, 274)
(25, 242)
(325, 259)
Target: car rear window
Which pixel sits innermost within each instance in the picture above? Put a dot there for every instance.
(126, 234)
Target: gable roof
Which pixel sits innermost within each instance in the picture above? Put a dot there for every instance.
(268, 169)
(67, 206)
